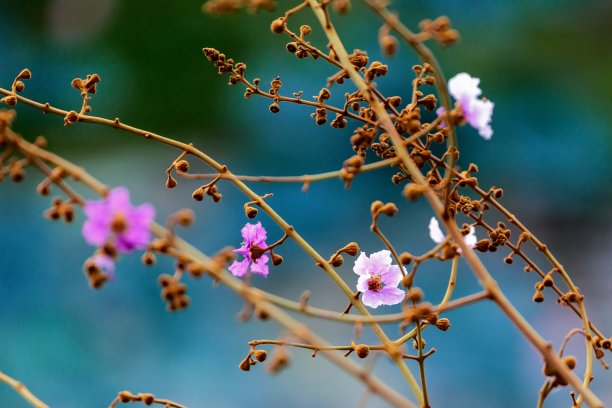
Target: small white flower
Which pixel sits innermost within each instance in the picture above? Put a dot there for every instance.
(437, 236)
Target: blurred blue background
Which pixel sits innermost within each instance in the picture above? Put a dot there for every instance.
(545, 64)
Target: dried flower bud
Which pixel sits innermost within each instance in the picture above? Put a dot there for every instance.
(278, 25)
(483, 245)
(442, 324)
(395, 101)
(388, 44)
(10, 100)
(351, 249)
(376, 205)
(389, 209)
(274, 108)
(182, 166)
(170, 182)
(408, 280)
(414, 191)
(362, 350)
(305, 30)
(337, 261)
(538, 297)
(606, 344)
(70, 118)
(260, 355)
(198, 194)
(570, 362)
(257, 252)
(245, 365)
(415, 344)
(415, 294)
(25, 74)
(276, 259)
(405, 258)
(148, 258)
(548, 281)
(19, 86)
(251, 212)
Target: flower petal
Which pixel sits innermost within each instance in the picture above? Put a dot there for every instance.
(391, 296)
(371, 299)
(260, 266)
(362, 283)
(464, 87)
(239, 268)
(435, 232)
(392, 276)
(362, 265)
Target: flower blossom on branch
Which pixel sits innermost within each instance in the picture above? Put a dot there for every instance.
(254, 235)
(378, 279)
(114, 219)
(437, 236)
(477, 112)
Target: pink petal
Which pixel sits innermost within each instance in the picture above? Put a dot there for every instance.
(362, 283)
(260, 267)
(362, 265)
(464, 87)
(239, 268)
(392, 276)
(119, 200)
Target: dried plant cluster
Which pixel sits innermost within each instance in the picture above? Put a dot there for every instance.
(399, 133)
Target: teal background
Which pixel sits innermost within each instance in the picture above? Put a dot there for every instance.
(545, 64)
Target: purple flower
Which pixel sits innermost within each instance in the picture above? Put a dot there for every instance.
(477, 112)
(114, 219)
(378, 279)
(253, 235)
(437, 236)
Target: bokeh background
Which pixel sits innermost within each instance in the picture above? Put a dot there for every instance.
(545, 64)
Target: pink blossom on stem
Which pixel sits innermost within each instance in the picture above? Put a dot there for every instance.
(253, 235)
(115, 219)
(477, 112)
(378, 279)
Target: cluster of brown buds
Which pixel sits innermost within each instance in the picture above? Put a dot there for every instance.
(101, 267)
(254, 357)
(209, 189)
(174, 292)
(61, 209)
(440, 30)
(17, 87)
(221, 62)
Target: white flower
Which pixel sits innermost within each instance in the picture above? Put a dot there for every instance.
(437, 236)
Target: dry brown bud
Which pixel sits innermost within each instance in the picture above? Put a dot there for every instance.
(170, 182)
(351, 249)
(260, 355)
(148, 258)
(415, 344)
(9, 100)
(606, 344)
(443, 324)
(276, 259)
(305, 30)
(538, 297)
(274, 108)
(570, 362)
(483, 245)
(376, 205)
(70, 118)
(408, 280)
(147, 399)
(24, 74)
(278, 25)
(389, 209)
(19, 86)
(362, 350)
(388, 44)
(245, 365)
(548, 281)
(337, 261)
(405, 258)
(251, 212)
(198, 194)
(415, 294)
(182, 166)
(414, 191)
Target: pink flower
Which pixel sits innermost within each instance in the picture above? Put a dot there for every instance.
(378, 279)
(437, 236)
(253, 235)
(477, 112)
(114, 219)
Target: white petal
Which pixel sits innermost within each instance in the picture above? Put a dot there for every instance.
(435, 232)
(470, 239)
(463, 87)
(362, 265)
